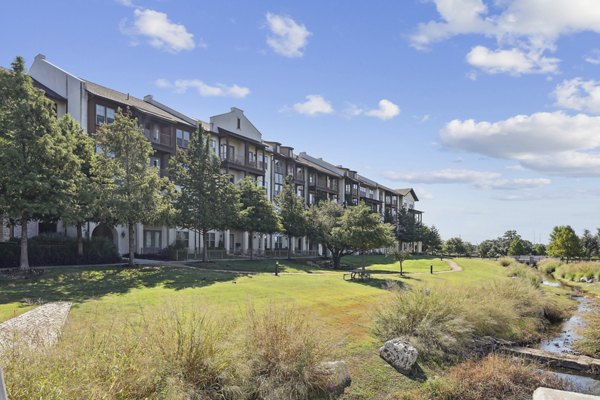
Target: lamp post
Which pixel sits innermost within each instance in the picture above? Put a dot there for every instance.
(276, 268)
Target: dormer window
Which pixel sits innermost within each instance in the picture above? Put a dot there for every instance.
(239, 123)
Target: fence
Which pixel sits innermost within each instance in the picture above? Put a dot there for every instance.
(221, 254)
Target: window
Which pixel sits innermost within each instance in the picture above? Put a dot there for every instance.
(278, 183)
(152, 239)
(182, 237)
(213, 145)
(212, 240)
(223, 152)
(104, 115)
(251, 157)
(183, 138)
(232, 178)
(354, 187)
(300, 190)
(347, 188)
(311, 198)
(239, 123)
(277, 164)
(290, 170)
(278, 242)
(311, 178)
(260, 181)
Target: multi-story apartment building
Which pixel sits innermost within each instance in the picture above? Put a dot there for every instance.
(243, 153)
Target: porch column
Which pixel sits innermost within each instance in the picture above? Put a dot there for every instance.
(139, 238)
(226, 241)
(245, 240)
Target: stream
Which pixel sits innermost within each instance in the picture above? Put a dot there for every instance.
(563, 343)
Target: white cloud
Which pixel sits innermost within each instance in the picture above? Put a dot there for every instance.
(531, 27)
(554, 142)
(424, 193)
(314, 105)
(593, 57)
(514, 61)
(385, 110)
(580, 95)
(203, 89)
(160, 32)
(480, 179)
(288, 37)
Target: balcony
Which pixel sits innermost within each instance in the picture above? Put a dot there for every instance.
(241, 162)
(160, 138)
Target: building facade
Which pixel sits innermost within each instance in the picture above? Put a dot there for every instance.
(243, 152)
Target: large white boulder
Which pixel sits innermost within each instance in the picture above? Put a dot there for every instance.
(399, 354)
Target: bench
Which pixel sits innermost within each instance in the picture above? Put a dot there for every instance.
(358, 274)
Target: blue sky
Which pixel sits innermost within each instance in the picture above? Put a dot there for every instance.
(489, 109)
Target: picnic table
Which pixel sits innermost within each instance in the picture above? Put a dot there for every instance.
(359, 273)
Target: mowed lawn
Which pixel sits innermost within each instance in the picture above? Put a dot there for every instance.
(344, 308)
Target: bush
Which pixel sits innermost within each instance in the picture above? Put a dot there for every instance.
(493, 377)
(57, 249)
(283, 352)
(442, 322)
(525, 272)
(166, 356)
(576, 271)
(548, 266)
(506, 261)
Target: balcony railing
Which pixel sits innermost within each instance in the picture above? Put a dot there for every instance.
(161, 138)
(241, 161)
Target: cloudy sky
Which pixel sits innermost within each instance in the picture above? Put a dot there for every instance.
(490, 109)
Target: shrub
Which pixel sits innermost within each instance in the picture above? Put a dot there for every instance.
(525, 272)
(506, 261)
(57, 249)
(164, 356)
(493, 377)
(576, 271)
(548, 266)
(282, 352)
(432, 320)
(442, 322)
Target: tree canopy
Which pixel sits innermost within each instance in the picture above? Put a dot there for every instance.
(292, 213)
(564, 243)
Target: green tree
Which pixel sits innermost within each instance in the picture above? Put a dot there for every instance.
(564, 243)
(516, 248)
(83, 203)
(36, 160)
(132, 190)
(407, 227)
(485, 248)
(539, 249)
(207, 200)
(290, 208)
(401, 256)
(589, 244)
(344, 231)
(256, 214)
(432, 241)
(454, 245)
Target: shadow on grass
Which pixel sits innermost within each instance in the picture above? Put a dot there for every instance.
(77, 285)
(379, 283)
(266, 266)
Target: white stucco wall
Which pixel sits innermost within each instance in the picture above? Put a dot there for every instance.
(65, 84)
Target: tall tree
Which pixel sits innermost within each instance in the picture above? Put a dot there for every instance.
(516, 247)
(454, 245)
(83, 202)
(407, 230)
(564, 243)
(207, 199)
(344, 231)
(132, 190)
(257, 214)
(36, 160)
(430, 236)
(290, 208)
(589, 243)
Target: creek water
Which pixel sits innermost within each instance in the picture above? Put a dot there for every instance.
(563, 343)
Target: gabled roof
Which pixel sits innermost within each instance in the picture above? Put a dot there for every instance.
(405, 192)
(131, 101)
(324, 165)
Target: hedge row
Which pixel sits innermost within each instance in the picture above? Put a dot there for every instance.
(58, 250)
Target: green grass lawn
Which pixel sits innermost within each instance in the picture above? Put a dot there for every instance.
(344, 307)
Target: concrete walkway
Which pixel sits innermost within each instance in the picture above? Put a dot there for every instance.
(39, 327)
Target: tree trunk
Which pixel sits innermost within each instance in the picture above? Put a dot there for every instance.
(336, 258)
(205, 246)
(401, 272)
(24, 266)
(131, 245)
(289, 247)
(79, 239)
(251, 240)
